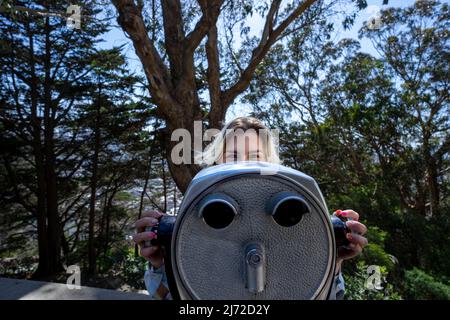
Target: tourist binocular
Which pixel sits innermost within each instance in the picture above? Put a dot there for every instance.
(251, 230)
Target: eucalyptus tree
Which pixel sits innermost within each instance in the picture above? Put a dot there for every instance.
(199, 56)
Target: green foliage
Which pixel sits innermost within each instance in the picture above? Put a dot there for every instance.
(356, 272)
(373, 131)
(356, 289)
(122, 263)
(374, 253)
(420, 285)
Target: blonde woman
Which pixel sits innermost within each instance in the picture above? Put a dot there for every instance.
(259, 145)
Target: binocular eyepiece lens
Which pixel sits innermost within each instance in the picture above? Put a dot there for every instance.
(288, 210)
(218, 211)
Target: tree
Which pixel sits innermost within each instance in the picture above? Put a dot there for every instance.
(181, 38)
(414, 43)
(106, 119)
(372, 130)
(43, 66)
(57, 92)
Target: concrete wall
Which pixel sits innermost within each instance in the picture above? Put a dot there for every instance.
(13, 289)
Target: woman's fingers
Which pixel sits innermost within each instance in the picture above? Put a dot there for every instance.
(350, 214)
(138, 238)
(148, 251)
(356, 248)
(153, 214)
(145, 222)
(357, 239)
(356, 227)
(347, 252)
(149, 219)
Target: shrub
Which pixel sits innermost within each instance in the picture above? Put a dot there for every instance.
(356, 288)
(423, 286)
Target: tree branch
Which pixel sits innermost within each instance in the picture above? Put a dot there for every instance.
(268, 26)
(174, 36)
(211, 11)
(268, 38)
(158, 77)
(216, 113)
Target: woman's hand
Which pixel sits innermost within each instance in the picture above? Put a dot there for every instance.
(355, 237)
(152, 254)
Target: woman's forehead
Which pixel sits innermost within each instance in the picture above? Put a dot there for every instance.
(250, 140)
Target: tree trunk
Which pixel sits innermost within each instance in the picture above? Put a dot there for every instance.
(108, 221)
(182, 173)
(91, 242)
(164, 179)
(431, 173)
(54, 225)
(143, 192)
(43, 265)
(174, 199)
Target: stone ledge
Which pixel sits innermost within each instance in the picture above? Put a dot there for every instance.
(15, 289)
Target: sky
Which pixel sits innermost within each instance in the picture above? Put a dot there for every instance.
(116, 37)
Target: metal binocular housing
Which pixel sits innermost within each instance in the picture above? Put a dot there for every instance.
(250, 230)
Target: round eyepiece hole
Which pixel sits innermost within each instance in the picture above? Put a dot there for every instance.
(218, 214)
(290, 211)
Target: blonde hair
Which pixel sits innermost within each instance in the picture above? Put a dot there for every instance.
(214, 151)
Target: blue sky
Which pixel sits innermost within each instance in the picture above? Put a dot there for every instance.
(116, 37)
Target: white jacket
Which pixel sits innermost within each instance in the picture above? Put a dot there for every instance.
(154, 278)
